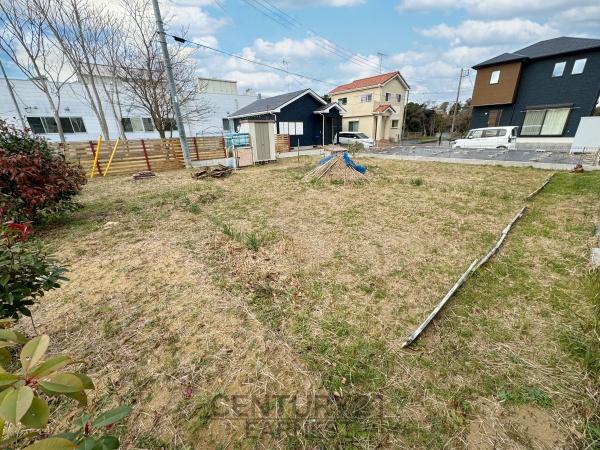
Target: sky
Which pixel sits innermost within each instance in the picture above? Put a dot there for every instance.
(335, 41)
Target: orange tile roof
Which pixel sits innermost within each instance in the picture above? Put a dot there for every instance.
(365, 82)
(383, 108)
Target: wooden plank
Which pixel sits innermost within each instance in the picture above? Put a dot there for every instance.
(146, 156)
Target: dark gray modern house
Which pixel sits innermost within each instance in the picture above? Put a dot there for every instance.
(544, 89)
(303, 115)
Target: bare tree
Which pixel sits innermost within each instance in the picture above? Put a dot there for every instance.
(78, 29)
(143, 74)
(24, 38)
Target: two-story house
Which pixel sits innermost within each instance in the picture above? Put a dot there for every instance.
(374, 105)
(544, 89)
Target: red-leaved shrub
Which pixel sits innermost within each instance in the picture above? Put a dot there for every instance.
(33, 179)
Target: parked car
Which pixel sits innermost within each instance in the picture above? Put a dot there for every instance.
(496, 137)
(351, 137)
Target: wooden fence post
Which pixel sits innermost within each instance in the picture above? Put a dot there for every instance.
(93, 157)
(196, 147)
(224, 146)
(146, 156)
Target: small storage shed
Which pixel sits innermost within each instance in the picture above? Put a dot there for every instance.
(303, 115)
(262, 139)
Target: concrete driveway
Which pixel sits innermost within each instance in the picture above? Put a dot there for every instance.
(536, 158)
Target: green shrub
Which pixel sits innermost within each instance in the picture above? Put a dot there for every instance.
(24, 390)
(26, 270)
(34, 181)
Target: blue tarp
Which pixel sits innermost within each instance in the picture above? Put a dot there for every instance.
(359, 168)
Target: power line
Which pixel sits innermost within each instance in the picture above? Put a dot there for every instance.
(279, 16)
(279, 69)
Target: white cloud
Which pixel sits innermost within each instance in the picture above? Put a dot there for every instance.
(290, 48)
(578, 18)
(494, 8)
(493, 32)
(333, 3)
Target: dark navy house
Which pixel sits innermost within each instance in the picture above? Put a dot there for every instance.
(545, 89)
(303, 115)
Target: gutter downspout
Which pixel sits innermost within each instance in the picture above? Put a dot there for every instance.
(323, 133)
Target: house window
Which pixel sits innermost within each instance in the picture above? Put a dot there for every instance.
(126, 122)
(495, 77)
(226, 125)
(343, 101)
(139, 124)
(366, 98)
(388, 97)
(66, 125)
(291, 128)
(148, 125)
(78, 125)
(395, 123)
(45, 125)
(35, 123)
(353, 125)
(545, 122)
(559, 69)
(494, 117)
(399, 98)
(50, 124)
(578, 66)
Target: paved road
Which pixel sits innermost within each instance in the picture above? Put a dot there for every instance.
(524, 156)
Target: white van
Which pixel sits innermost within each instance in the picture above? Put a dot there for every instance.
(496, 137)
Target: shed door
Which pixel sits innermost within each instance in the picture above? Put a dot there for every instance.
(263, 144)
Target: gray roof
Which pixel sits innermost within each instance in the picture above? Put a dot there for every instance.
(327, 106)
(543, 49)
(267, 105)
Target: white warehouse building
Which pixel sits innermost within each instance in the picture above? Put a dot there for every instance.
(80, 123)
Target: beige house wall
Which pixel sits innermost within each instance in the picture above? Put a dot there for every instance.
(363, 112)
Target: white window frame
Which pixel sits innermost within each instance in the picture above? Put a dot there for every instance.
(397, 124)
(495, 77)
(291, 128)
(399, 98)
(44, 119)
(543, 121)
(357, 122)
(366, 98)
(559, 69)
(582, 62)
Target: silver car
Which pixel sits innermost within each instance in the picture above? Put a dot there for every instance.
(352, 137)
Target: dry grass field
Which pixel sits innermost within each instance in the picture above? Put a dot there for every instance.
(210, 304)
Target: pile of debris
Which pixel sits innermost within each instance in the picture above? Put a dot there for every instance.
(219, 171)
(144, 175)
(337, 167)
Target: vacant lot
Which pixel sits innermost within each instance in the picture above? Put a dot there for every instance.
(184, 293)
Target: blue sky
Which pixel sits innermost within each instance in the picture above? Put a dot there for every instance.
(427, 40)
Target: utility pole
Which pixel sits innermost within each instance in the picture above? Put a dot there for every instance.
(402, 131)
(169, 69)
(381, 55)
(287, 74)
(456, 103)
(14, 99)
